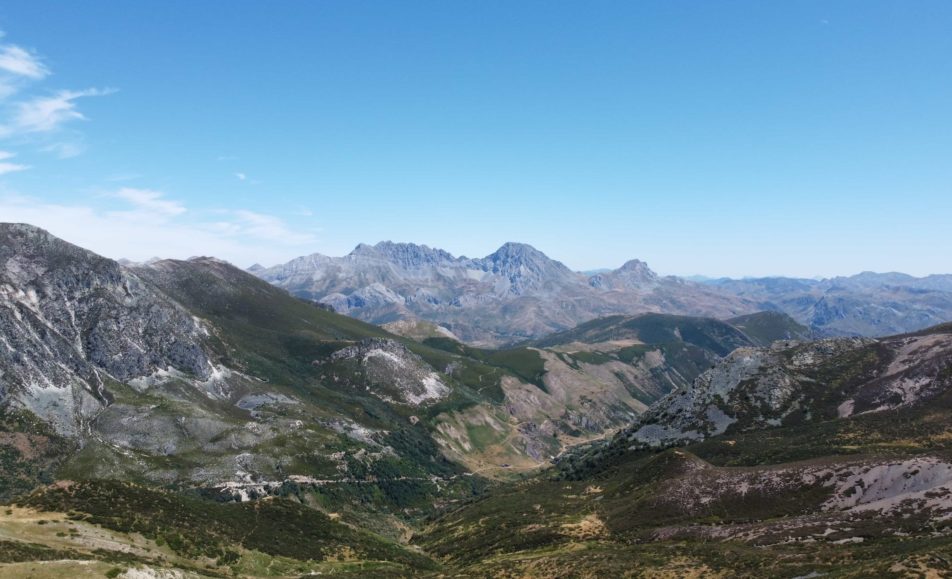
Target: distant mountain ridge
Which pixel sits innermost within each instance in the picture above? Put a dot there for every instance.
(514, 294)
(518, 293)
(867, 304)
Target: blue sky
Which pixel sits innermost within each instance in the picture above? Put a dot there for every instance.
(719, 138)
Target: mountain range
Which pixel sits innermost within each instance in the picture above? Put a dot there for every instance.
(518, 293)
(184, 418)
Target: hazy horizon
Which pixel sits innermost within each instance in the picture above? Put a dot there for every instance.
(740, 140)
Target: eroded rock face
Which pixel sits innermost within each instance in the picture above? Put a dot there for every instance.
(919, 368)
(801, 381)
(750, 388)
(388, 370)
(70, 320)
(850, 487)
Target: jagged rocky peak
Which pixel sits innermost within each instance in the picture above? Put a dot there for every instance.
(632, 275)
(522, 259)
(296, 270)
(525, 268)
(408, 255)
(516, 254)
(637, 267)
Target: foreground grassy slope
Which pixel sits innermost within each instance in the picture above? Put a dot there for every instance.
(121, 525)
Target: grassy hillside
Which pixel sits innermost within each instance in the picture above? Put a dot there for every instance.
(764, 328)
(652, 329)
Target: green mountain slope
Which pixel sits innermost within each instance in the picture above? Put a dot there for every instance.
(764, 328)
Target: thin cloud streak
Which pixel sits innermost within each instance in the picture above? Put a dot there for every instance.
(153, 203)
(48, 113)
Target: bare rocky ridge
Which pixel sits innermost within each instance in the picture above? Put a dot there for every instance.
(759, 383)
(789, 382)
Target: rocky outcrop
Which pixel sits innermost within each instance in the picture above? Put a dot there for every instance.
(791, 382)
(634, 274)
(71, 320)
(750, 388)
(387, 369)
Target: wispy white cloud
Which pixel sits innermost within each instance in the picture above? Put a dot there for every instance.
(241, 176)
(11, 167)
(18, 61)
(35, 117)
(148, 223)
(268, 228)
(149, 202)
(47, 113)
